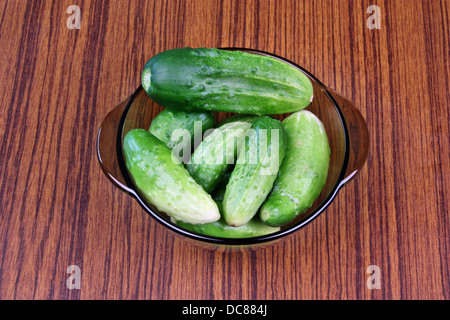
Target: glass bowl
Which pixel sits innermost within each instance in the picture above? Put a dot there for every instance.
(347, 134)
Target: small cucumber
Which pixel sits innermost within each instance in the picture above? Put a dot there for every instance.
(164, 182)
(303, 172)
(255, 171)
(222, 80)
(167, 121)
(218, 151)
(221, 229)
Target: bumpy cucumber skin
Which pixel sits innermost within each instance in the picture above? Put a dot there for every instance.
(167, 121)
(255, 172)
(226, 140)
(164, 182)
(221, 229)
(304, 170)
(222, 80)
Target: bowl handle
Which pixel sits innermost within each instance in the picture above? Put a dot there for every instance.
(107, 146)
(358, 136)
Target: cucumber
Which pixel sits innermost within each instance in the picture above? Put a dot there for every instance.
(221, 229)
(303, 172)
(255, 171)
(164, 182)
(167, 121)
(218, 151)
(219, 191)
(221, 80)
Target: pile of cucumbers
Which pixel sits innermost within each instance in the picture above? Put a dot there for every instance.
(245, 176)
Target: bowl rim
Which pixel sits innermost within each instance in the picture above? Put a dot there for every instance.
(238, 241)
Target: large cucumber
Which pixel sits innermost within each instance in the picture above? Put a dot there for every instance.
(167, 121)
(218, 151)
(255, 172)
(222, 80)
(303, 172)
(164, 182)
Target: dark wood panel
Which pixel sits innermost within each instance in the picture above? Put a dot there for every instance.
(58, 209)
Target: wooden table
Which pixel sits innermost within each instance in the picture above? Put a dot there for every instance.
(58, 209)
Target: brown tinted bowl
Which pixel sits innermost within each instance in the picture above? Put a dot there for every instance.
(347, 134)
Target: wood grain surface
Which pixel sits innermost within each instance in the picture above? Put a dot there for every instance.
(58, 209)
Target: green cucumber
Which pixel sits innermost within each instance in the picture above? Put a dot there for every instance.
(219, 191)
(221, 229)
(303, 172)
(222, 80)
(218, 151)
(255, 171)
(165, 124)
(165, 183)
